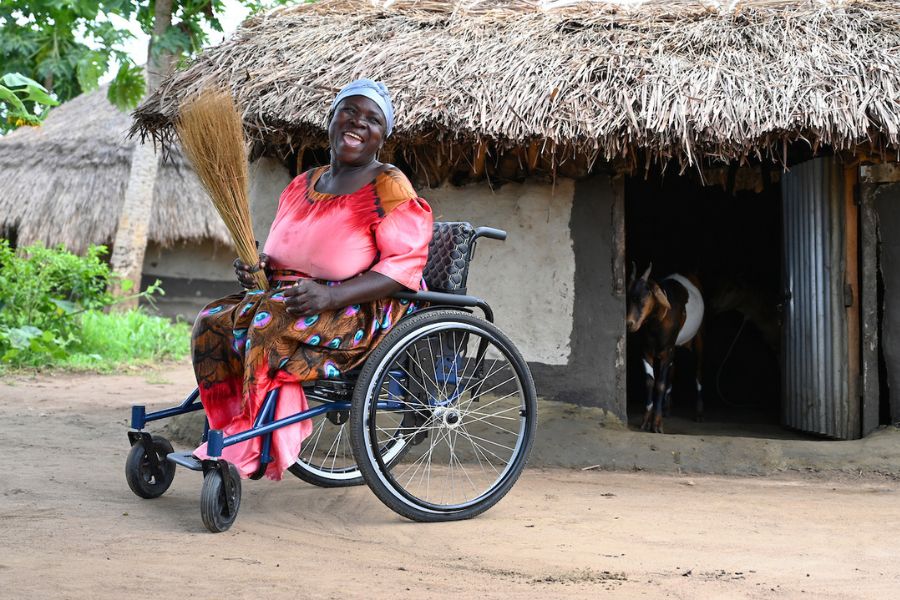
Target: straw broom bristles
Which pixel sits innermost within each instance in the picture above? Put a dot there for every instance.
(212, 137)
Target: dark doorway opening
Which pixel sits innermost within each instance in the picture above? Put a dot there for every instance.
(728, 236)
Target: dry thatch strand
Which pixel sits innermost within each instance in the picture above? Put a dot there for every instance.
(212, 136)
(690, 81)
(64, 182)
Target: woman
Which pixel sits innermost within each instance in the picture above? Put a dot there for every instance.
(345, 238)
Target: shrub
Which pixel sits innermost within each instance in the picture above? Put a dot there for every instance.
(50, 312)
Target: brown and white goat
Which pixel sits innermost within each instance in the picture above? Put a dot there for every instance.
(667, 314)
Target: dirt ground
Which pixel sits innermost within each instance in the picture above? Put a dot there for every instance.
(71, 528)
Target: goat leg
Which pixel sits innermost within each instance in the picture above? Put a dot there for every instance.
(650, 383)
(662, 384)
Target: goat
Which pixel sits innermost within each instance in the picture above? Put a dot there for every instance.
(668, 314)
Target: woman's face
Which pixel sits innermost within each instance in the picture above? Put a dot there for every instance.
(356, 131)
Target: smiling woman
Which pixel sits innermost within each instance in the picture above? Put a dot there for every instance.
(346, 236)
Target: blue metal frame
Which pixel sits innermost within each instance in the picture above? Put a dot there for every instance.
(264, 424)
(139, 416)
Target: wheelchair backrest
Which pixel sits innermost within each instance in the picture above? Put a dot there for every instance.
(449, 253)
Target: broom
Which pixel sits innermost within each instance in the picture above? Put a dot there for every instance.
(212, 137)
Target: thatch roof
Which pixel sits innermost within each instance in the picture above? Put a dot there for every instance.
(658, 80)
(64, 182)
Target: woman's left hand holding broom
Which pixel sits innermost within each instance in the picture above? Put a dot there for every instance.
(245, 272)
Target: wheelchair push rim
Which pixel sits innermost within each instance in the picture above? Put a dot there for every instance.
(474, 414)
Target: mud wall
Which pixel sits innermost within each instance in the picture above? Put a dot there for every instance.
(529, 279)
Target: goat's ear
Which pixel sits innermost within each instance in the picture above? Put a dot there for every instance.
(661, 298)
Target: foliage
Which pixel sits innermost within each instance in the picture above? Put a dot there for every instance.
(50, 312)
(15, 91)
(68, 45)
(107, 341)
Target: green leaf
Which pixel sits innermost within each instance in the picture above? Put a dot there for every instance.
(20, 337)
(127, 89)
(172, 41)
(17, 80)
(126, 285)
(90, 69)
(65, 306)
(86, 9)
(7, 95)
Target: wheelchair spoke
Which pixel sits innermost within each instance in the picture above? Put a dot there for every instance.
(480, 381)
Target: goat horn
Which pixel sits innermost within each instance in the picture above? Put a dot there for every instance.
(647, 272)
(633, 271)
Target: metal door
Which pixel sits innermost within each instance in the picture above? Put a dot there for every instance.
(818, 356)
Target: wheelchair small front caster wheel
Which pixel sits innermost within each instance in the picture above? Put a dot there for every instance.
(220, 499)
(147, 471)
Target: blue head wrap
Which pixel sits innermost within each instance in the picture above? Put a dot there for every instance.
(375, 91)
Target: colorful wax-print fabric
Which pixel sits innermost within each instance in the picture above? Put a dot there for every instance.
(245, 345)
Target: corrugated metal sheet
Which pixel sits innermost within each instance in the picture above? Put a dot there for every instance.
(815, 328)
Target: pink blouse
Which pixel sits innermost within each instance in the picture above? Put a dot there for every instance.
(384, 227)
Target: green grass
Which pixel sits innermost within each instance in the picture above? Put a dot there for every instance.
(109, 341)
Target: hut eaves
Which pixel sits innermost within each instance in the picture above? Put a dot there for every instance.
(657, 80)
(64, 182)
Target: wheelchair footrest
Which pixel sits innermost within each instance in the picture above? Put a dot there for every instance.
(185, 459)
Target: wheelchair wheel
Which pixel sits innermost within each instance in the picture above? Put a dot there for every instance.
(213, 501)
(143, 479)
(326, 457)
(461, 395)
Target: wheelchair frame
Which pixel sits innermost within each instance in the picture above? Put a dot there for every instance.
(264, 423)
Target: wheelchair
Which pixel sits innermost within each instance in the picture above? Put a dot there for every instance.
(438, 422)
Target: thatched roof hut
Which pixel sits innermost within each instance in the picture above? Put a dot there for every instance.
(539, 85)
(64, 182)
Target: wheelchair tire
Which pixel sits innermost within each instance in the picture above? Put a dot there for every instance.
(213, 503)
(457, 389)
(139, 474)
(326, 457)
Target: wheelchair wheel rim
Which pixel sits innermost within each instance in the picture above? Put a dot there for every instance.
(448, 428)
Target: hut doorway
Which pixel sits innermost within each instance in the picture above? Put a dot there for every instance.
(727, 231)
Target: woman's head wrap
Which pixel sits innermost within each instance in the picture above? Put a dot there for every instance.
(375, 91)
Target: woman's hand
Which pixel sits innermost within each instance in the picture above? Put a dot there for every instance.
(307, 297)
(245, 272)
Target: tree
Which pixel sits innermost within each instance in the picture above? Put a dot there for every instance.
(69, 44)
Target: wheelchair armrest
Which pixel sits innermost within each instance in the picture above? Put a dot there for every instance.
(443, 299)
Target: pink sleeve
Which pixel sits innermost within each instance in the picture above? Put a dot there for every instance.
(402, 240)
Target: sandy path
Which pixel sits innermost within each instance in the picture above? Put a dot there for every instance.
(70, 527)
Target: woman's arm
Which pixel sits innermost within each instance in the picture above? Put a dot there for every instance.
(309, 298)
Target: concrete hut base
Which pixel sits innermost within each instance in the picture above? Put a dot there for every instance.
(588, 438)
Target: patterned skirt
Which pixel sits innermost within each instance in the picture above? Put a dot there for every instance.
(246, 344)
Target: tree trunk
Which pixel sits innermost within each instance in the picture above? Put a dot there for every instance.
(134, 221)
